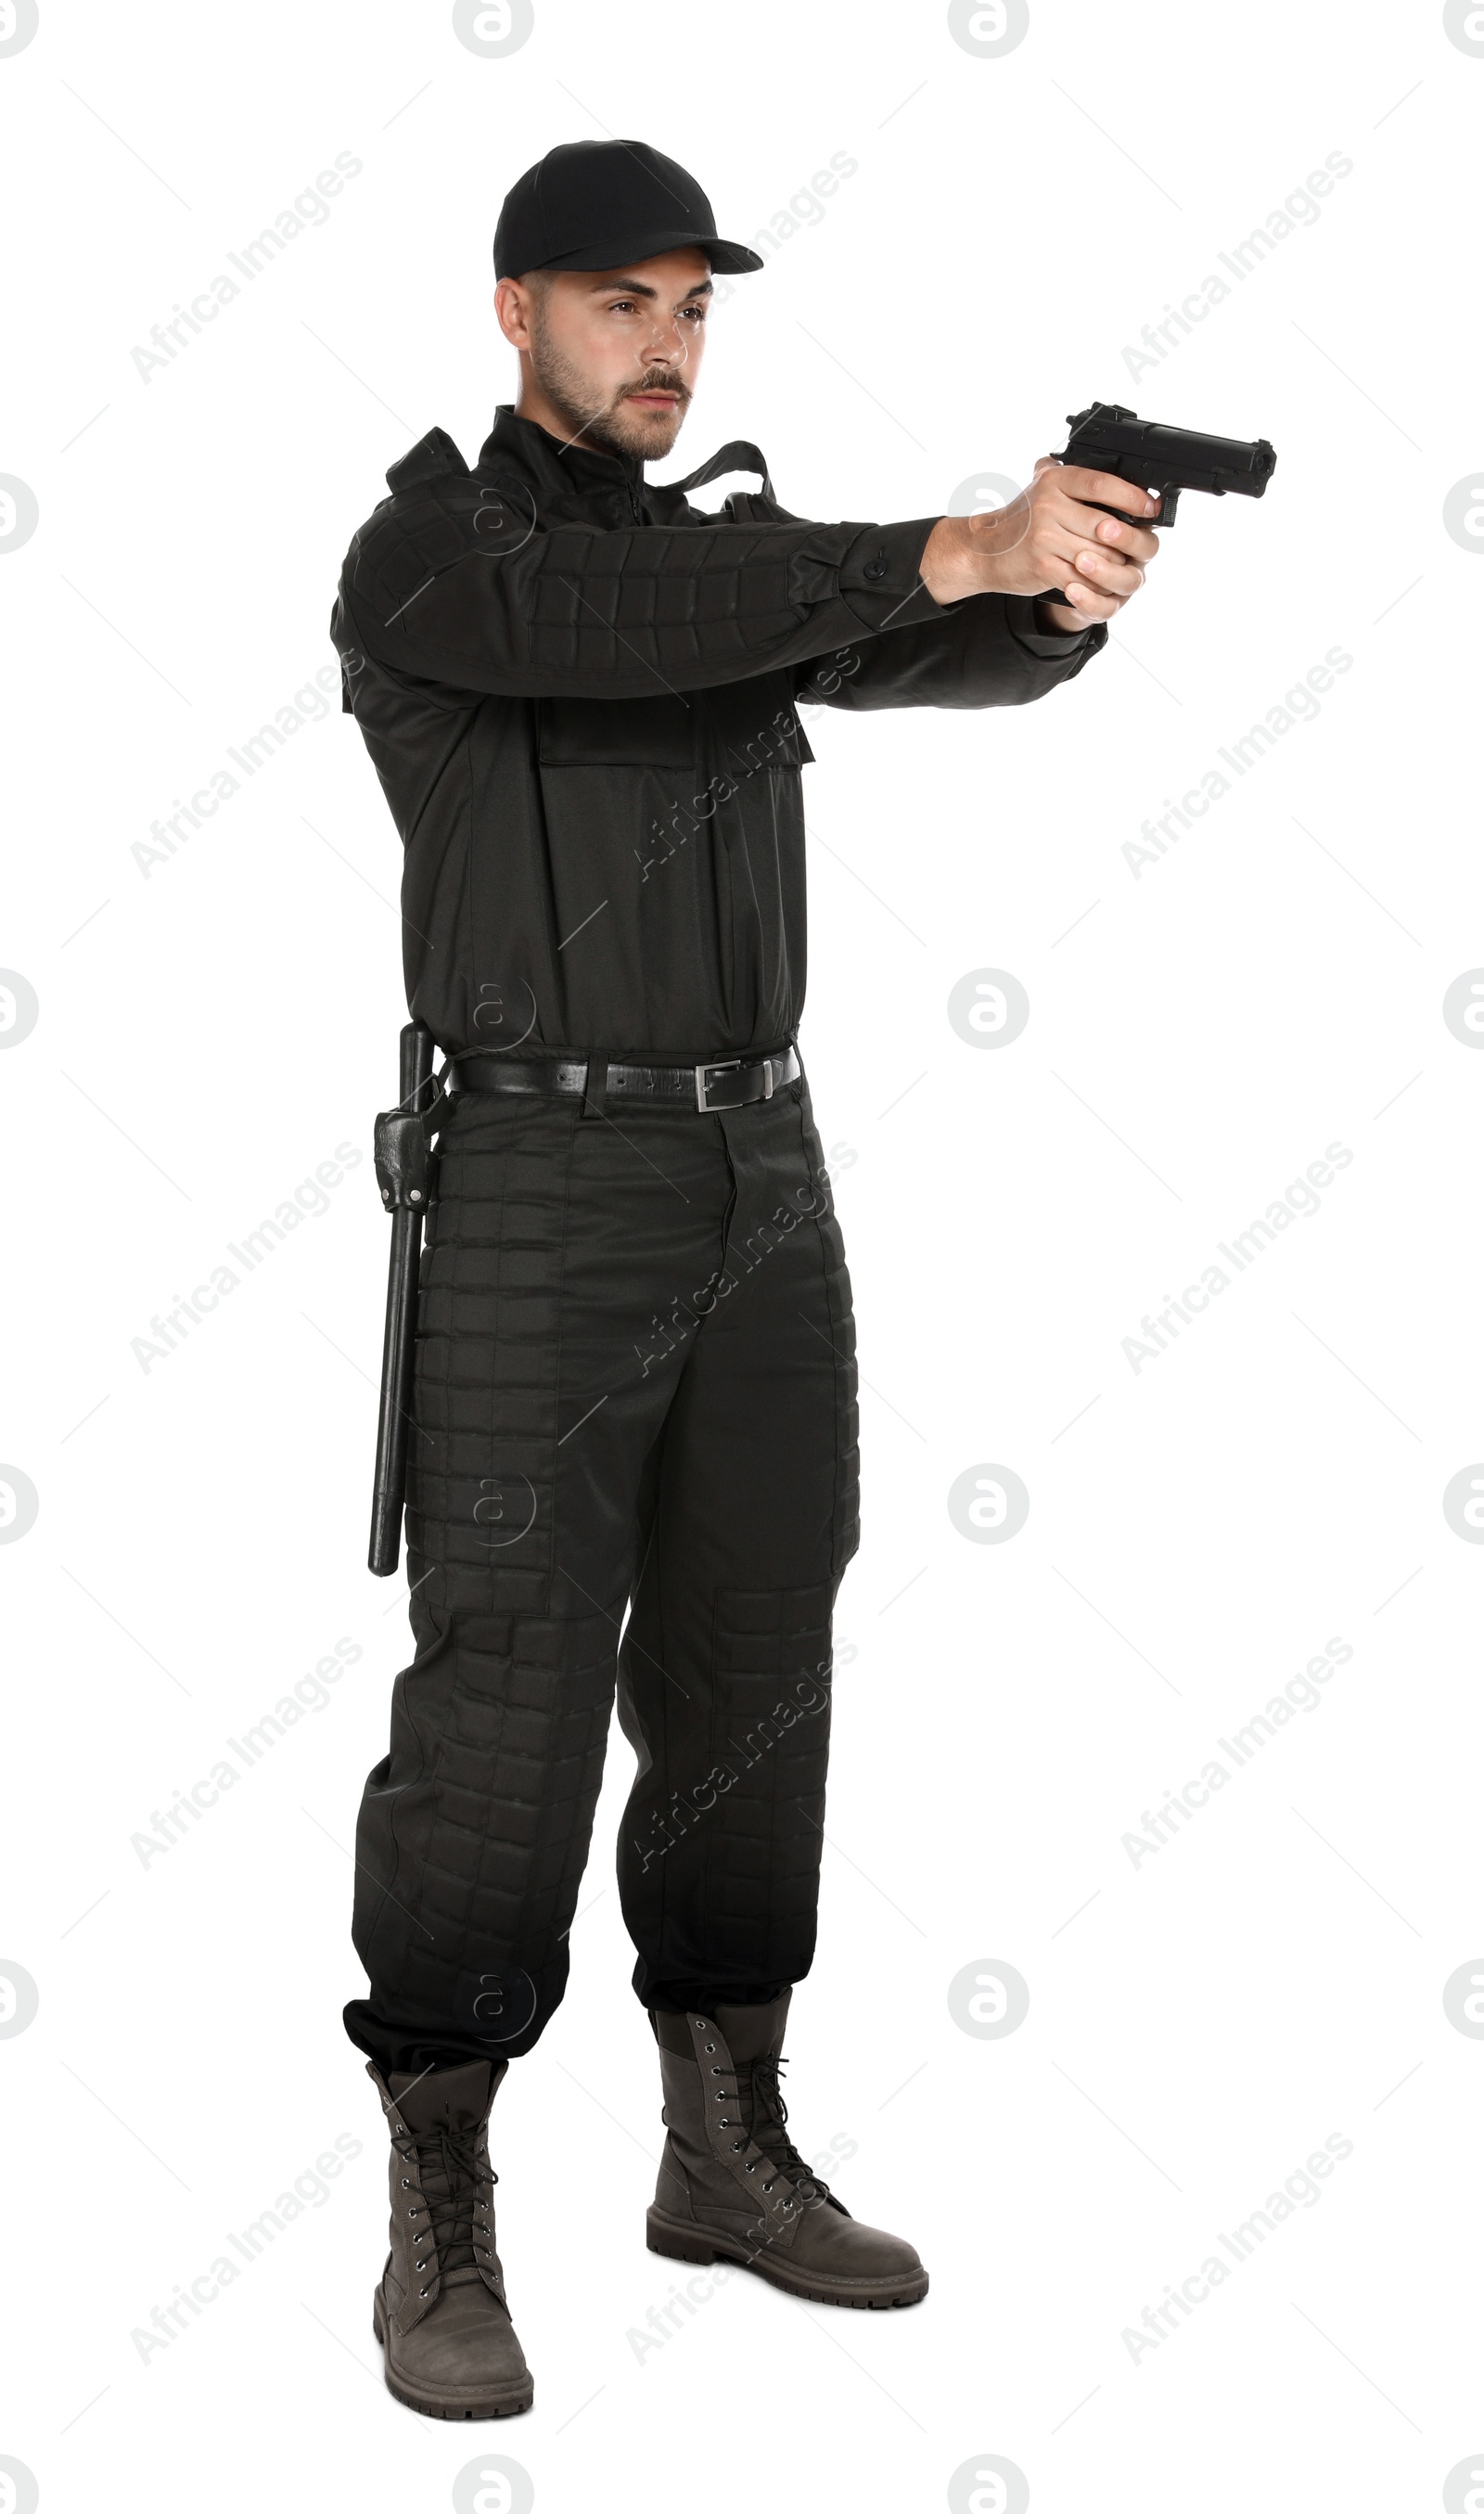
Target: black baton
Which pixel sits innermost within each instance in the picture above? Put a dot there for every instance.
(403, 1163)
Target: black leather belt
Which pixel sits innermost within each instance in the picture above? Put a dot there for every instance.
(729, 1083)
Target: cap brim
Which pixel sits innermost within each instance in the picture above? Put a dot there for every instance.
(613, 254)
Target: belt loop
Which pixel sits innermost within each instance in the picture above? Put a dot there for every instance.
(595, 1088)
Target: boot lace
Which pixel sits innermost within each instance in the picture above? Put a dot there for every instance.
(449, 2165)
(760, 2096)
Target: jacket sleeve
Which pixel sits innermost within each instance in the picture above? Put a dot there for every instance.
(982, 652)
(452, 587)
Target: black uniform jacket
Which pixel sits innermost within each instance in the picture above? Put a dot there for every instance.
(581, 695)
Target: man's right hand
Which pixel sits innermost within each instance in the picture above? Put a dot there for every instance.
(1049, 536)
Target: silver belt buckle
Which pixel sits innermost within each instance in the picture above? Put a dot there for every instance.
(730, 1065)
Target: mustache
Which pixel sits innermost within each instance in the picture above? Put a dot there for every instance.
(659, 380)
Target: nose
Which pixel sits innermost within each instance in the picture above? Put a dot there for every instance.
(667, 346)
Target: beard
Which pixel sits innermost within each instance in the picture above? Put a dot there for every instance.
(617, 427)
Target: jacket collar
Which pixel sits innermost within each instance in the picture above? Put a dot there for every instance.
(580, 483)
(558, 469)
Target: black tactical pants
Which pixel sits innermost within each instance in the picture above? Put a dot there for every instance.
(635, 1390)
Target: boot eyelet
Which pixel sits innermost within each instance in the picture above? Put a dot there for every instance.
(422, 2291)
(752, 2167)
(406, 2182)
(710, 2046)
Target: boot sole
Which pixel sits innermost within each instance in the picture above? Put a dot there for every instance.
(679, 2243)
(494, 2406)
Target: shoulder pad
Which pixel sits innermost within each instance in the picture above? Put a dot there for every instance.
(435, 457)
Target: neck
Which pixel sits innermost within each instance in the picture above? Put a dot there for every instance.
(531, 403)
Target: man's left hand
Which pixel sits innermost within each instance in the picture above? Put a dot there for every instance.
(1128, 552)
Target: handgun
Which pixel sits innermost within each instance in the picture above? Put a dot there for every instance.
(1107, 438)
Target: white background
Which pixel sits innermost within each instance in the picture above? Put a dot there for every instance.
(1199, 2024)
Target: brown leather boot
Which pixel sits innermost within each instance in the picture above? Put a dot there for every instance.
(734, 2187)
(440, 2311)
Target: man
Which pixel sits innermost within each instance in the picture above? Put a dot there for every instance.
(635, 1386)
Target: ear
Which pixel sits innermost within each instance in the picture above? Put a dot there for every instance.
(513, 312)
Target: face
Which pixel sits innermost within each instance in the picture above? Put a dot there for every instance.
(611, 356)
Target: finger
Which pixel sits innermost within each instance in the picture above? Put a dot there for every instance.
(1132, 540)
(1087, 602)
(1085, 525)
(1095, 591)
(1105, 488)
(1069, 551)
(1072, 510)
(1110, 575)
(1065, 581)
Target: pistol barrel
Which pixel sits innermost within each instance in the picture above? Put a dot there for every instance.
(1107, 438)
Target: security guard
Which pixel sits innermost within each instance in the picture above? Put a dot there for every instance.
(635, 1382)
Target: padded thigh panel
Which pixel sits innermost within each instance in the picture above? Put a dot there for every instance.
(770, 1729)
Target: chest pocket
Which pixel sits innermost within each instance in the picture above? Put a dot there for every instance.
(615, 733)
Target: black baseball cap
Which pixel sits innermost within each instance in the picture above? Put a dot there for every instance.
(592, 204)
